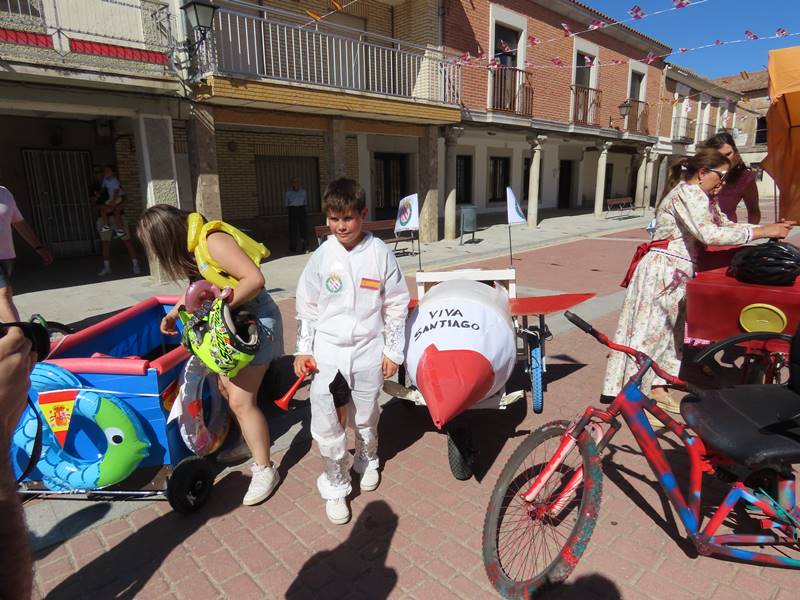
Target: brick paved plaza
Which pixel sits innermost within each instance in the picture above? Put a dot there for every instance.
(419, 535)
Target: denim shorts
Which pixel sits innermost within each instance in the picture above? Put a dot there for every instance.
(270, 327)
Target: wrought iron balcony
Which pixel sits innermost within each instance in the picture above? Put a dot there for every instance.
(512, 91)
(284, 46)
(586, 106)
(636, 121)
(682, 130)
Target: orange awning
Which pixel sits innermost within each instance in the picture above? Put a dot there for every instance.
(783, 128)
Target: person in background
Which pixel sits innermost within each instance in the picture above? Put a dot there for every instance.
(10, 216)
(296, 199)
(740, 184)
(654, 311)
(99, 195)
(16, 363)
(113, 197)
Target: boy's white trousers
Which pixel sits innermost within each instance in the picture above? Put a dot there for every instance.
(363, 413)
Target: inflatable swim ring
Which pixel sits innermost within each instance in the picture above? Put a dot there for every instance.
(58, 395)
(203, 434)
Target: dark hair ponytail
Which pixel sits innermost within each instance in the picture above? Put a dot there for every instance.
(688, 167)
(738, 167)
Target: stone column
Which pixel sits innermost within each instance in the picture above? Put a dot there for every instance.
(536, 142)
(451, 136)
(648, 178)
(337, 146)
(202, 139)
(428, 190)
(600, 184)
(641, 173)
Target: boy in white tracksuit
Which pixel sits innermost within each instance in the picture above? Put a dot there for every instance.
(352, 303)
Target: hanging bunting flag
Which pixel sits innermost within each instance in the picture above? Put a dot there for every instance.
(533, 40)
(588, 61)
(636, 12)
(650, 58)
(504, 46)
(336, 4)
(481, 54)
(750, 35)
(557, 61)
(567, 31)
(618, 61)
(781, 32)
(314, 15)
(466, 57)
(680, 3)
(494, 64)
(596, 24)
(683, 50)
(718, 42)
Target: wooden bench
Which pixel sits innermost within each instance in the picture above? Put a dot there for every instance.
(625, 203)
(376, 227)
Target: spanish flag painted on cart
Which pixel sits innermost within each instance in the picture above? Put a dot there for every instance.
(57, 406)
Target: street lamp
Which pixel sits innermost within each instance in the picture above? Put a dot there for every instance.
(624, 110)
(200, 14)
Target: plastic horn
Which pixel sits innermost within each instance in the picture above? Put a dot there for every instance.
(283, 402)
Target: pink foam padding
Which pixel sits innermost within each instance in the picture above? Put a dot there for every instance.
(170, 360)
(111, 366)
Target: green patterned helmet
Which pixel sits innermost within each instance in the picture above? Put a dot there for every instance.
(226, 344)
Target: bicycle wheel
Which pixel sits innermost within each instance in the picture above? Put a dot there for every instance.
(525, 550)
(750, 358)
(537, 393)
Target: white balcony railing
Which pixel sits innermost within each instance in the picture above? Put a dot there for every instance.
(141, 24)
(283, 46)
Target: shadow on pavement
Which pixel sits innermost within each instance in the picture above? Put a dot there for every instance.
(401, 424)
(491, 429)
(67, 528)
(595, 587)
(359, 561)
(125, 569)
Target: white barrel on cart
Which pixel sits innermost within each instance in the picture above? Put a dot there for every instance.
(461, 346)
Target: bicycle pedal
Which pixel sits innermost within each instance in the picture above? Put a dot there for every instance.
(510, 398)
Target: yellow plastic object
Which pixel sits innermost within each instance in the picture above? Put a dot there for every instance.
(196, 242)
(762, 317)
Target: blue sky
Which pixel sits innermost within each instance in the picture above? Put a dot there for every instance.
(715, 19)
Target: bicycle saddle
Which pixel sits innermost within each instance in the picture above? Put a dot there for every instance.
(754, 425)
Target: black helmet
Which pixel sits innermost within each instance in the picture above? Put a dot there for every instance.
(773, 263)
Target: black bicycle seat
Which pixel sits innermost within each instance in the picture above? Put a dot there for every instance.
(754, 425)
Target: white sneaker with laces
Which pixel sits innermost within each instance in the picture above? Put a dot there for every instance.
(262, 484)
(370, 480)
(104, 271)
(337, 510)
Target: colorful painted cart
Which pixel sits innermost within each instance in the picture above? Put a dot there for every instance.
(104, 395)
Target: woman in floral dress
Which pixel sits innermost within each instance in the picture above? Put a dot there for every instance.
(654, 311)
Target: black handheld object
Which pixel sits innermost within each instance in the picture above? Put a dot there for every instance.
(579, 323)
(36, 333)
(340, 390)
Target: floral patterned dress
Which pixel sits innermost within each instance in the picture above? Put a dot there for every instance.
(654, 312)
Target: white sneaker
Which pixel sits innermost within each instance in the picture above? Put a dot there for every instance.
(262, 484)
(370, 480)
(104, 271)
(105, 228)
(337, 510)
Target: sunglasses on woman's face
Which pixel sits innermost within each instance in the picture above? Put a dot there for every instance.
(721, 174)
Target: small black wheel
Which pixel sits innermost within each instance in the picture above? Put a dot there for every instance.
(190, 484)
(460, 454)
(531, 546)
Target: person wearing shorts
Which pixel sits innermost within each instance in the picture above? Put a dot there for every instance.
(10, 216)
(100, 196)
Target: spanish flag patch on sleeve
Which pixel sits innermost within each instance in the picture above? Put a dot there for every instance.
(370, 284)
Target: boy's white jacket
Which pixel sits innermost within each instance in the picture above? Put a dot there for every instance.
(352, 306)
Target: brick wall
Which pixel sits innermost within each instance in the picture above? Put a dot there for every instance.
(351, 155)
(467, 24)
(378, 16)
(417, 21)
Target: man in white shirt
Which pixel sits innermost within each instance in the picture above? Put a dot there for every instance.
(10, 215)
(295, 201)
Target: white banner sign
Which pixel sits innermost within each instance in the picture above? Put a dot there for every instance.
(407, 215)
(515, 214)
